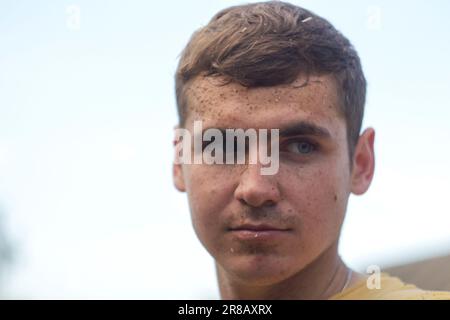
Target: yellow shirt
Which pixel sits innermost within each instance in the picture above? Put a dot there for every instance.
(391, 288)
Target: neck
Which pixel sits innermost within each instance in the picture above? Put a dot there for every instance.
(321, 279)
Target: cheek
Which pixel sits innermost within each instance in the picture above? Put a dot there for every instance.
(210, 190)
(319, 198)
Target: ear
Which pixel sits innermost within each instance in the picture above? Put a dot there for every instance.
(177, 170)
(363, 162)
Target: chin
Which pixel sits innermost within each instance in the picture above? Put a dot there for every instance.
(260, 270)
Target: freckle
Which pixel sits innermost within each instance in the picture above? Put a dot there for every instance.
(335, 197)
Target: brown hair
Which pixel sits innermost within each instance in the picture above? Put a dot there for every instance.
(272, 43)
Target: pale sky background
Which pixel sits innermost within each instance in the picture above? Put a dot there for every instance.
(86, 118)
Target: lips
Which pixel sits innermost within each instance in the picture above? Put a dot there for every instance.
(258, 232)
(258, 227)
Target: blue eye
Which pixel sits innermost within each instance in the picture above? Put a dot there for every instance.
(301, 147)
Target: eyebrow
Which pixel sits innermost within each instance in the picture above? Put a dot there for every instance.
(304, 128)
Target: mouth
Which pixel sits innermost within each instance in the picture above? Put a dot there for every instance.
(258, 232)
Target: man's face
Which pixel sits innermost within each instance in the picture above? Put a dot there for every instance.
(301, 207)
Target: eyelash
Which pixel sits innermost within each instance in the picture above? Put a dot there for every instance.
(283, 147)
(314, 145)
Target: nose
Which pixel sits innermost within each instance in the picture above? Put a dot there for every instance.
(257, 190)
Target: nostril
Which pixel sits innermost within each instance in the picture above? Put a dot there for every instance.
(269, 203)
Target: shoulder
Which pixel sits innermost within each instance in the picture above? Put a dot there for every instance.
(389, 288)
(432, 295)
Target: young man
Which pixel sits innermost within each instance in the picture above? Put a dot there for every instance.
(273, 65)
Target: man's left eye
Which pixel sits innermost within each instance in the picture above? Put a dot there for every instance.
(301, 147)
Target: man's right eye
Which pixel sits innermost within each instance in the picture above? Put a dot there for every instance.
(231, 154)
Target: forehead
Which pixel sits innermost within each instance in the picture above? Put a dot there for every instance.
(235, 106)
